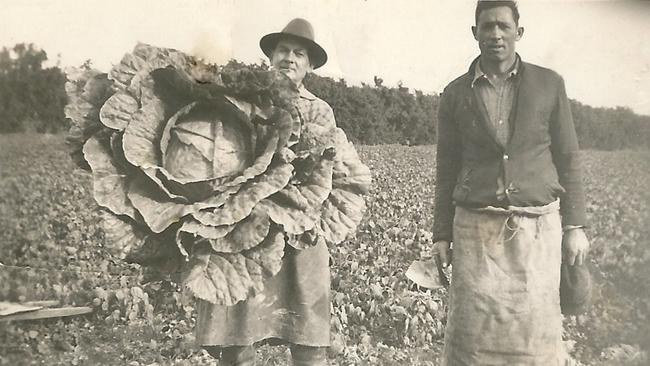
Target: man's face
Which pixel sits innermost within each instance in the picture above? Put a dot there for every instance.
(291, 57)
(496, 33)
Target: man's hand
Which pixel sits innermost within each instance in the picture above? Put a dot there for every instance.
(575, 246)
(442, 252)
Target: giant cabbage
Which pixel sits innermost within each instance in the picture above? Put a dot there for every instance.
(196, 172)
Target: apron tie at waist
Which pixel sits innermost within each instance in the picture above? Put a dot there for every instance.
(513, 211)
(530, 211)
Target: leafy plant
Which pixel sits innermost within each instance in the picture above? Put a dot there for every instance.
(198, 174)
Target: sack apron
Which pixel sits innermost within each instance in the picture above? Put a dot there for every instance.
(294, 307)
(504, 304)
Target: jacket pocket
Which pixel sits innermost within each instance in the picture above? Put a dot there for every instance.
(554, 189)
(462, 189)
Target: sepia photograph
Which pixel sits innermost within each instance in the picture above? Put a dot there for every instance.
(325, 182)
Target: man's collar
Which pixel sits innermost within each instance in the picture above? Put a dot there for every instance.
(304, 93)
(478, 71)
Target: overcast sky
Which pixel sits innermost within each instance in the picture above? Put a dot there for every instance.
(602, 48)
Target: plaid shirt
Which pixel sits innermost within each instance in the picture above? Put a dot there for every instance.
(316, 116)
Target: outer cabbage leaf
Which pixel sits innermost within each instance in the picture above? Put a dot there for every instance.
(157, 210)
(240, 205)
(87, 90)
(227, 278)
(90, 85)
(122, 237)
(198, 230)
(349, 172)
(137, 66)
(343, 210)
(244, 235)
(117, 111)
(262, 88)
(297, 207)
(143, 60)
(110, 184)
(143, 133)
(123, 72)
(340, 215)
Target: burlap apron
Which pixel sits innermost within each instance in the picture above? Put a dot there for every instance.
(504, 304)
(294, 307)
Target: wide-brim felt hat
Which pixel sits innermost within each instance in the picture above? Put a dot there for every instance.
(299, 29)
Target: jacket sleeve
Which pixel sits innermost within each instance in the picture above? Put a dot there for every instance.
(448, 164)
(566, 158)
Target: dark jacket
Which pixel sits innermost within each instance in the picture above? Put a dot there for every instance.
(540, 162)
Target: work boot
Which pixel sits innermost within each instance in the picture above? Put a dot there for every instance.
(308, 355)
(233, 355)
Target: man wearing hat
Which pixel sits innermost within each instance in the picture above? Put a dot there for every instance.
(510, 197)
(295, 305)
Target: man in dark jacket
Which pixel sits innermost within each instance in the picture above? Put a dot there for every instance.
(510, 198)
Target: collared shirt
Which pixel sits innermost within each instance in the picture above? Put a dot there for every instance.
(498, 98)
(306, 94)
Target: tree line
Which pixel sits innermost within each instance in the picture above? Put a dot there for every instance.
(32, 99)
(377, 114)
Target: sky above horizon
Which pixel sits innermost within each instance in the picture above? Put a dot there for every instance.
(601, 48)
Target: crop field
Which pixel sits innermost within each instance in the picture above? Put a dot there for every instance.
(52, 248)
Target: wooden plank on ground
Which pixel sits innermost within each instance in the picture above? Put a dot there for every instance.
(48, 313)
(9, 308)
(43, 303)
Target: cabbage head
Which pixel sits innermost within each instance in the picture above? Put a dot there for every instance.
(196, 172)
